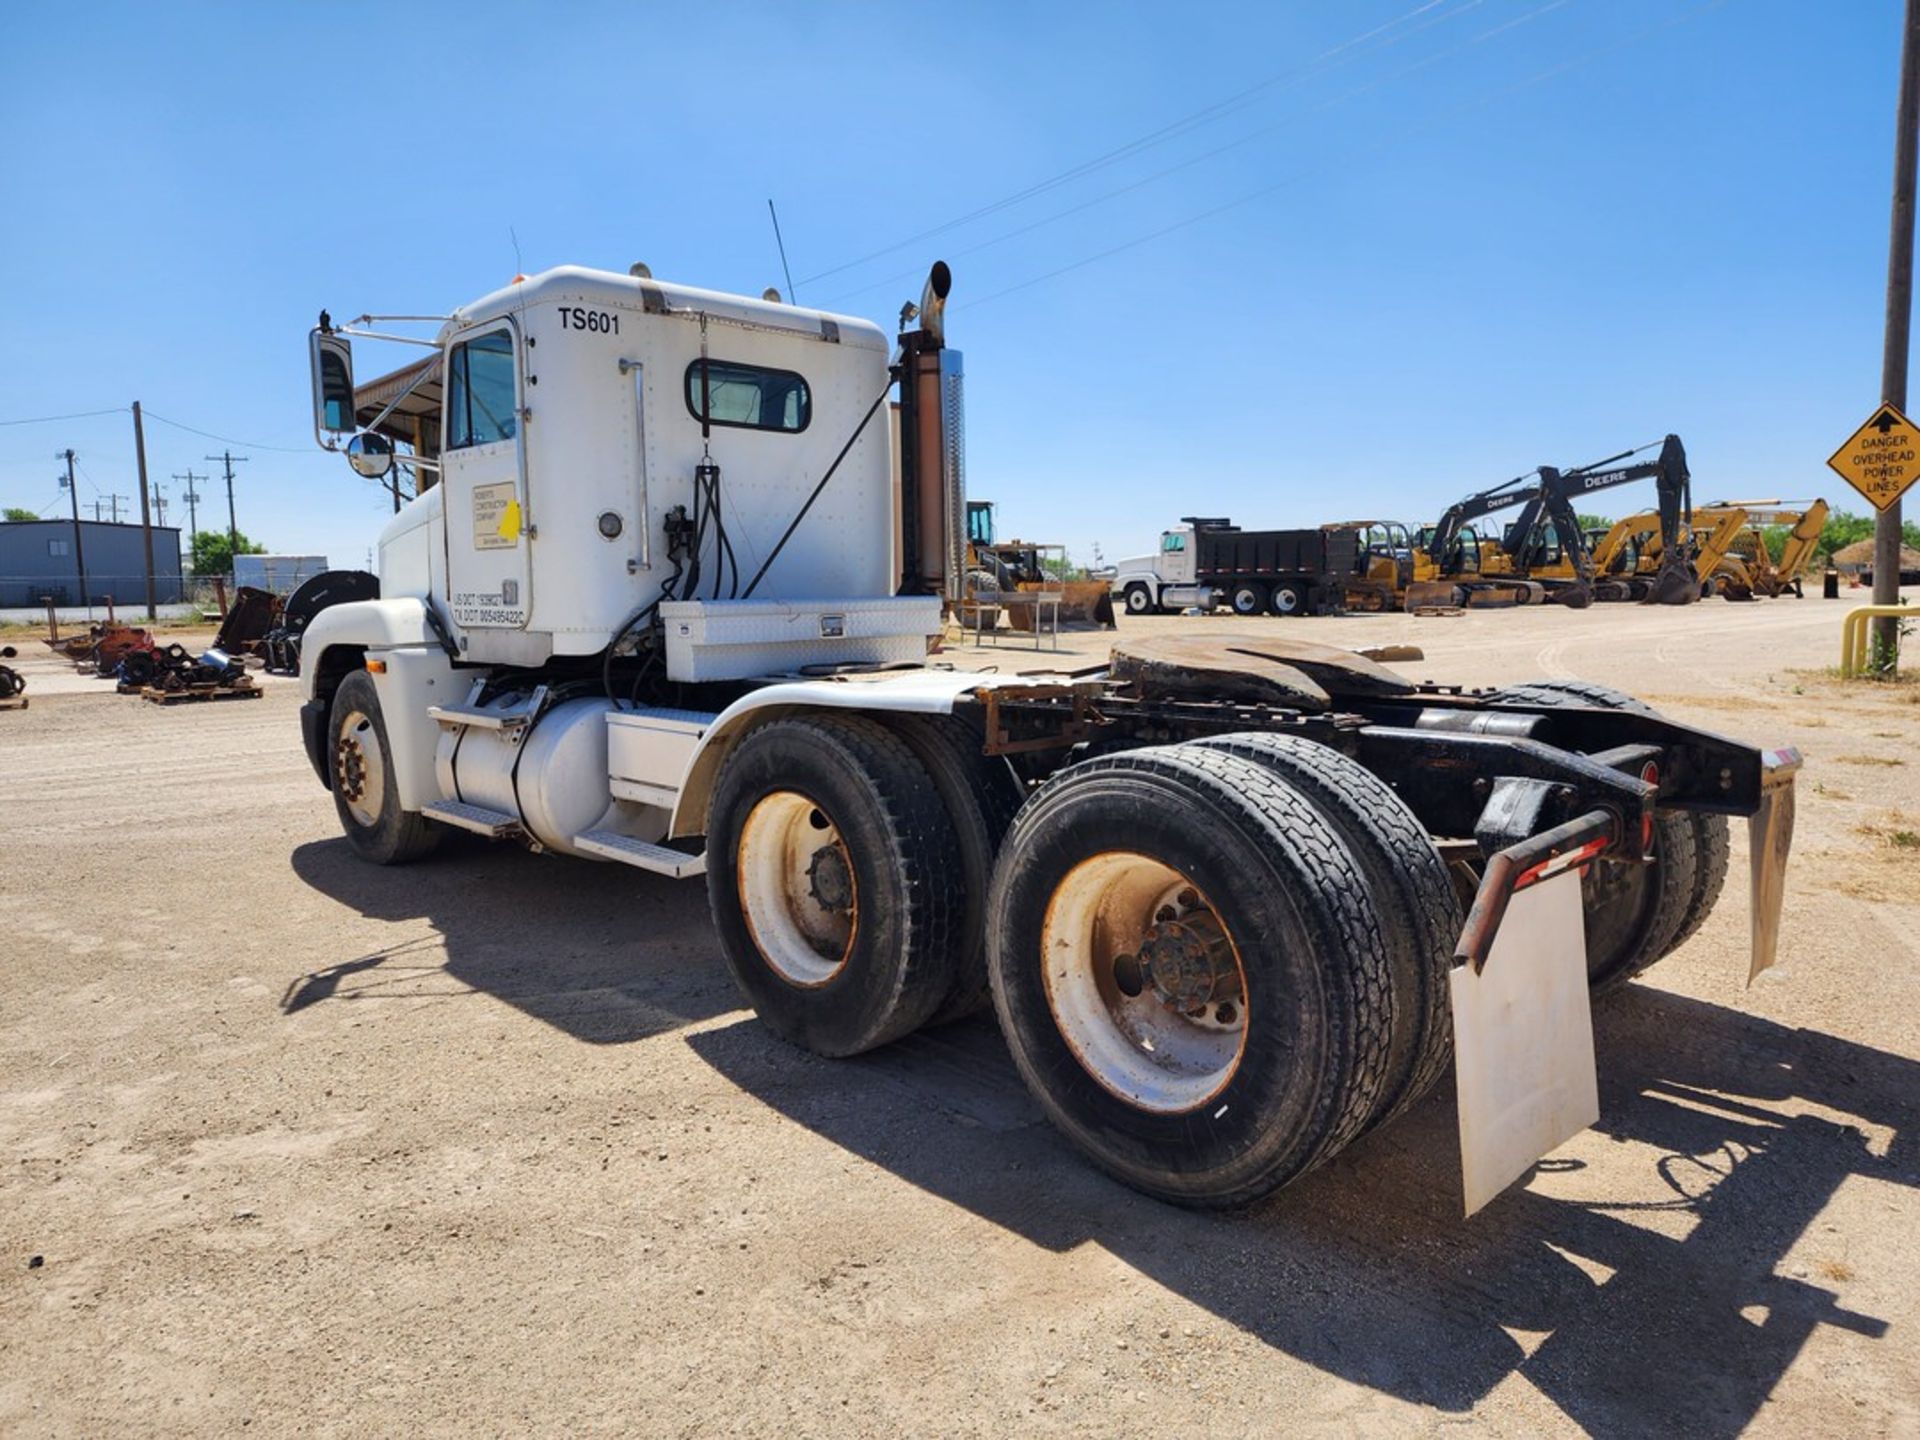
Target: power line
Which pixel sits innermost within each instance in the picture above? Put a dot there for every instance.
(77, 415)
(226, 439)
(1205, 115)
(1219, 150)
(1466, 107)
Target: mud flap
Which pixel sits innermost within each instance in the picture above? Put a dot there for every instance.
(1769, 838)
(1523, 1040)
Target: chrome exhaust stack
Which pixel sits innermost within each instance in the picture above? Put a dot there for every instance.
(933, 487)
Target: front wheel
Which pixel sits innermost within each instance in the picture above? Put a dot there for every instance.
(1139, 600)
(365, 793)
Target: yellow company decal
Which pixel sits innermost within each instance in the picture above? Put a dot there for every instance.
(496, 516)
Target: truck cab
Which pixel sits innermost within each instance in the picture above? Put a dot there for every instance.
(1165, 580)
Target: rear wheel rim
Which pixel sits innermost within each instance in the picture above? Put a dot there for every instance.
(797, 889)
(1123, 922)
(1285, 601)
(360, 770)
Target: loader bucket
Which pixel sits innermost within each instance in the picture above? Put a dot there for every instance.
(1574, 597)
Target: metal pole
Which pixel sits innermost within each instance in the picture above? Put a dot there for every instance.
(146, 515)
(1893, 360)
(79, 551)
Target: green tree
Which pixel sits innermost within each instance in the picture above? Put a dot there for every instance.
(14, 512)
(1843, 528)
(213, 555)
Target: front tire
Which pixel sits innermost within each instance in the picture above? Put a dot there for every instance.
(1189, 972)
(833, 882)
(366, 794)
(1139, 600)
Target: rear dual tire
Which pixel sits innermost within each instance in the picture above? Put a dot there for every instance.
(1639, 914)
(1189, 970)
(833, 882)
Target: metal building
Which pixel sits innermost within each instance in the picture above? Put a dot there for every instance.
(37, 560)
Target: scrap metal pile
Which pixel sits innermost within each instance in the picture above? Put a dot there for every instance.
(140, 665)
(174, 671)
(13, 685)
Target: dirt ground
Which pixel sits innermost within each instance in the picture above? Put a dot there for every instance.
(488, 1144)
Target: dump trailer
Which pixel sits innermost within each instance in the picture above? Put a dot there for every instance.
(1209, 561)
(667, 602)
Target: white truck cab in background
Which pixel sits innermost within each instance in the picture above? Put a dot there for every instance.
(1150, 584)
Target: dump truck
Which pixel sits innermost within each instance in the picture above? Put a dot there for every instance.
(1207, 561)
(665, 599)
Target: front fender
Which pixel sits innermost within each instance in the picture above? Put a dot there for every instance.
(361, 625)
(922, 692)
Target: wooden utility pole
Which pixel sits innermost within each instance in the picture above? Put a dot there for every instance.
(1893, 358)
(233, 529)
(79, 552)
(146, 514)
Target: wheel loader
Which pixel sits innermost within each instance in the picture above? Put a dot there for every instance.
(664, 600)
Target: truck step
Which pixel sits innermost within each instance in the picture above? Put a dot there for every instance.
(660, 859)
(494, 824)
(477, 718)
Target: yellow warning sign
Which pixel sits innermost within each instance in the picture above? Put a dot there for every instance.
(1882, 458)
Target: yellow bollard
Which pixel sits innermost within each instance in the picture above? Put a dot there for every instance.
(1853, 635)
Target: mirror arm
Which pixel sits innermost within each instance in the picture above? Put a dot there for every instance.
(374, 424)
(358, 333)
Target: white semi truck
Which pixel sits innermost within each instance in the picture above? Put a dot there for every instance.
(665, 599)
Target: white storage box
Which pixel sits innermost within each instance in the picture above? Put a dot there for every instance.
(738, 639)
(648, 752)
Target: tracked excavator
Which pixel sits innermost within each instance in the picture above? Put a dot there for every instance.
(1547, 544)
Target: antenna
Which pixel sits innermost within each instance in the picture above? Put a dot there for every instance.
(518, 268)
(793, 297)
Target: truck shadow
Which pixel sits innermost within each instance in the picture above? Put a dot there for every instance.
(1676, 1307)
(599, 951)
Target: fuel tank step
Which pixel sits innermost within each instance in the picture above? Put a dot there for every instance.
(494, 824)
(660, 859)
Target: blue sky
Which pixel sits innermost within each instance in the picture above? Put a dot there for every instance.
(1422, 258)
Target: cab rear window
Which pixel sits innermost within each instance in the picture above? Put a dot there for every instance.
(752, 397)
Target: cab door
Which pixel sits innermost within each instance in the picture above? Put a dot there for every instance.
(484, 472)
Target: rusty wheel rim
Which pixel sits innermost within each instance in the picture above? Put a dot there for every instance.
(359, 769)
(797, 889)
(1144, 982)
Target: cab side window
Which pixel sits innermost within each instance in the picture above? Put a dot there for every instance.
(1173, 544)
(480, 391)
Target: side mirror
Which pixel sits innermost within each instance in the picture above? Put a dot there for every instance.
(331, 356)
(370, 454)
